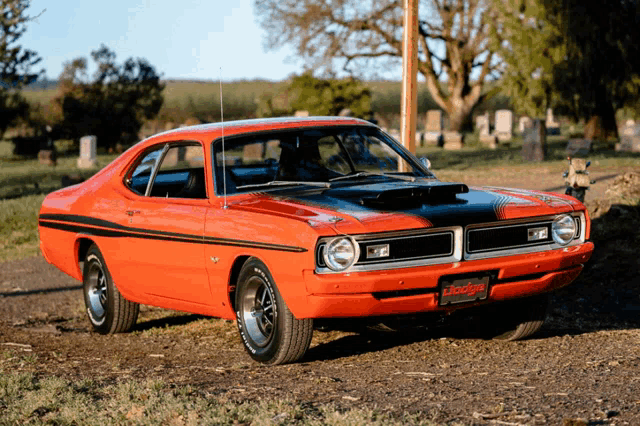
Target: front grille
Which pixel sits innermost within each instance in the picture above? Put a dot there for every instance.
(410, 247)
(505, 237)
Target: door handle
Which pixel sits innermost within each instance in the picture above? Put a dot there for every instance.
(132, 212)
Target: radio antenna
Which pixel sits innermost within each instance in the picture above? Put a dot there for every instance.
(224, 161)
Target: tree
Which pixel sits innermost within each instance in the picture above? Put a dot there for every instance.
(15, 62)
(453, 42)
(581, 59)
(319, 97)
(114, 104)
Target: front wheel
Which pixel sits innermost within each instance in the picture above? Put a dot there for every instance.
(107, 310)
(270, 333)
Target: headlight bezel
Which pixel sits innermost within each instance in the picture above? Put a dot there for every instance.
(556, 231)
(333, 243)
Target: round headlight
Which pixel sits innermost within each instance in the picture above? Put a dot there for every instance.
(563, 229)
(340, 253)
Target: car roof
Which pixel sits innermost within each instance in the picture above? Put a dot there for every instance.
(258, 124)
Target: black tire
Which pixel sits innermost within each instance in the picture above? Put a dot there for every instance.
(269, 331)
(107, 310)
(519, 319)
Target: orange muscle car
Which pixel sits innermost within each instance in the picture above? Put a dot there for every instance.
(279, 222)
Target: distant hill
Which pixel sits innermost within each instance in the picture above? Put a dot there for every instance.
(42, 85)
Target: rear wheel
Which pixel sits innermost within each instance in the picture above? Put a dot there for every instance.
(518, 319)
(270, 333)
(107, 310)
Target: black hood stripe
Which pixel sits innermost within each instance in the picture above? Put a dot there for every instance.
(104, 228)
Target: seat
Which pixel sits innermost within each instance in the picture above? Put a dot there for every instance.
(196, 185)
(301, 163)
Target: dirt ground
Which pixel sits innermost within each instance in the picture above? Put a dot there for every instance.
(582, 368)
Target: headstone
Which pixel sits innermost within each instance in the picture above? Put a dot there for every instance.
(490, 141)
(524, 123)
(47, 157)
(88, 151)
(433, 128)
(301, 114)
(345, 112)
(534, 143)
(253, 152)
(629, 140)
(553, 127)
(578, 147)
(194, 156)
(419, 139)
(452, 141)
(482, 124)
(504, 125)
(434, 121)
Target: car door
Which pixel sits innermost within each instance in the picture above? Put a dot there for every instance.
(166, 224)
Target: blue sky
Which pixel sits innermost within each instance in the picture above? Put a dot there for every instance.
(186, 39)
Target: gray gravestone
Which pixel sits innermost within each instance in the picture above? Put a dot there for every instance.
(47, 157)
(302, 113)
(482, 124)
(504, 125)
(88, 152)
(534, 143)
(433, 127)
(629, 140)
(578, 147)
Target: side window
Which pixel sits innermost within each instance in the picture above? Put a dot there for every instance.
(139, 179)
(181, 173)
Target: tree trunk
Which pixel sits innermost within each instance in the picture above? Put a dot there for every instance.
(601, 125)
(459, 116)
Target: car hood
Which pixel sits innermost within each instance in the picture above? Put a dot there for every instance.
(376, 207)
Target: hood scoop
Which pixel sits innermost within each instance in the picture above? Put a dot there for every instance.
(436, 193)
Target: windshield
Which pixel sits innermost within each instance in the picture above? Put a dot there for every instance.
(311, 156)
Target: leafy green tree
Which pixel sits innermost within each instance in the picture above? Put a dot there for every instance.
(582, 59)
(319, 97)
(16, 63)
(455, 56)
(113, 104)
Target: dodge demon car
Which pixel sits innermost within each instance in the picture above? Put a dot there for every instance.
(279, 222)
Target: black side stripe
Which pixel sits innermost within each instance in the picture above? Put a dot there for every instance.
(104, 228)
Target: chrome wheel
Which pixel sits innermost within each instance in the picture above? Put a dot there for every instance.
(258, 311)
(97, 290)
(108, 311)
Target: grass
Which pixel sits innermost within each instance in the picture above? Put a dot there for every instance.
(28, 177)
(18, 227)
(23, 185)
(27, 399)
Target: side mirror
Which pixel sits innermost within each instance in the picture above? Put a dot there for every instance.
(425, 162)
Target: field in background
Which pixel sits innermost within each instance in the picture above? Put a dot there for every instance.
(201, 100)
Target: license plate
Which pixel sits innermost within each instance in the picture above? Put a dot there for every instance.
(463, 290)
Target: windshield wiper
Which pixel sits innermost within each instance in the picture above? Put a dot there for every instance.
(286, 183)
(365, 173)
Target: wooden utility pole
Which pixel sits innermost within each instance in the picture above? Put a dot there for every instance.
(409, 76)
